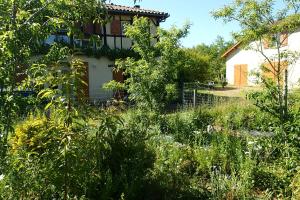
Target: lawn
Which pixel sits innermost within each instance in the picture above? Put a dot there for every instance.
(230, 91)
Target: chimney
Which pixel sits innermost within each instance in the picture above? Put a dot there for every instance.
(137, 6)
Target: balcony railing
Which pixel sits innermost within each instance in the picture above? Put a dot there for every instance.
(112, 41)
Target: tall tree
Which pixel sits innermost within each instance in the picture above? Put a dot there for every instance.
(151, 78)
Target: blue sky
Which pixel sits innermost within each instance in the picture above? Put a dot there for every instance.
(204, 28)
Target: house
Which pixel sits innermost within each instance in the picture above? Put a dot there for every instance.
(242, 62)
(99, 69)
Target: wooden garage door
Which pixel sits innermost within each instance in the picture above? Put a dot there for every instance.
(241, 75)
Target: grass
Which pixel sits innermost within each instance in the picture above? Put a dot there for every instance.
(229, 91)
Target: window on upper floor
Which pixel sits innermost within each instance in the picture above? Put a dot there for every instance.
(118, 27)
(273, 70)
(62, 39)
(123, 25)
(271, 42)
(90, 29)
(284, 37)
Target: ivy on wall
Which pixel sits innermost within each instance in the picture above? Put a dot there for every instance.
(104, 51)
(111, 54)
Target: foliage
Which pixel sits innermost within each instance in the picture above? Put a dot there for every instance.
(196, 66)
(145, 155)
(261, 21)
(112, 54)
(151, 77)
(25, 25)
(204, 62)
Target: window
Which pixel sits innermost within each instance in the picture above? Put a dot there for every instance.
(123, 25)
(62, 39)
(271, 42)
(272, 70)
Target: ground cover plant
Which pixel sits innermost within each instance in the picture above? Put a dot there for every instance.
(138, 155)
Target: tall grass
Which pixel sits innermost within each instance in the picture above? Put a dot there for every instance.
(203, 153)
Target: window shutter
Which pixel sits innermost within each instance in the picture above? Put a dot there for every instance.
(269, 71)
(266, 43)
(21, 75)
(83, 88)
(118, 75)
(77, 25)
(88, 28)
(116, 27)
(98, 29)
(284, 39)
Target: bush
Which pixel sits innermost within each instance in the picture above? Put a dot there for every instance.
(36, 135)
(47, 160)
(295, 186)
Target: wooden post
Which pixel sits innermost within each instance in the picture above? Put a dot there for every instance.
(285, 93)
(194, 98)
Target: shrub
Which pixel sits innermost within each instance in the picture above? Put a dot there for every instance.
(36, 135)
(295, 186)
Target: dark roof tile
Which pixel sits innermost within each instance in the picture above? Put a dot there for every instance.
(112, 8)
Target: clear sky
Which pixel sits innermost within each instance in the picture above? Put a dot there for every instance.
(204, 28)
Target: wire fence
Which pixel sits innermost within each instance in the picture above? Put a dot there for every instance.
(192, 95)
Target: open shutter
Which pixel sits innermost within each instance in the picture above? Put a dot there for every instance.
(83, 88)
(88, 28)
(270, 72)
(284, 39)
(116, 27)
(20, 74)
(77, 25)
(266, 43)
(98, 29)
(119, 77)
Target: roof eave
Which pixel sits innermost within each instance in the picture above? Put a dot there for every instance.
(231, 49)
(162, 17)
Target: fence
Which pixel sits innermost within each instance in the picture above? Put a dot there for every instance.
(192, 96)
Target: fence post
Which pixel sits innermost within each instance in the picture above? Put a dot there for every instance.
(182, 87)
(194, 97)
(286, 93)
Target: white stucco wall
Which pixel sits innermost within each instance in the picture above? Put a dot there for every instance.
(241, 56)
(99, 73)
(294, 69)
(254, 60)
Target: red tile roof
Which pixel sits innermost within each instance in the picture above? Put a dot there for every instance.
(119, 9)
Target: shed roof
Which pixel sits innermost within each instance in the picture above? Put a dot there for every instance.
(231, 49)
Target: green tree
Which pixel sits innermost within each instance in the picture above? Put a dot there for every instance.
(151, 79)
(263, 21)
(196, 66)
(24, 27)
(204, 62)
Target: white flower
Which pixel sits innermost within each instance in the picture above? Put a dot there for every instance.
(1, 177)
